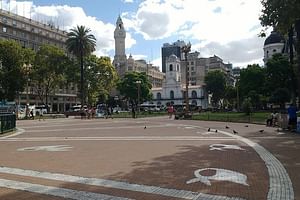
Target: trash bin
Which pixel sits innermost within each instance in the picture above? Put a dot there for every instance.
(298, 124)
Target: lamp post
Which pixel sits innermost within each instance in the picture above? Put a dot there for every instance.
(27, 71)
(138, 93)
(237, 94)
(186, 49)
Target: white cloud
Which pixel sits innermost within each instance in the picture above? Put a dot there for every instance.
(218, 24)
(128, 1)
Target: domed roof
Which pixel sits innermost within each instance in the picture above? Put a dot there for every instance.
(274, 38)
(173, 58)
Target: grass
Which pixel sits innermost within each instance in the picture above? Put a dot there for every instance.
(257, 117)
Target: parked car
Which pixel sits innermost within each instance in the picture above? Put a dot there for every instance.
(75, 111)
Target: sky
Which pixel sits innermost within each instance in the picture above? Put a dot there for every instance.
(226, 28)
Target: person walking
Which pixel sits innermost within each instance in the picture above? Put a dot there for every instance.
(170, 111)
(292, 114)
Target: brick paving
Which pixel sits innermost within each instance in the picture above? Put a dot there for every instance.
(130, 161)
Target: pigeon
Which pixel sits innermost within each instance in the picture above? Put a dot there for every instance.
(261, 131)
(246, 126)
(234, 132)
(208, 129)
(226, 127)
(145, 127)
(216, 130)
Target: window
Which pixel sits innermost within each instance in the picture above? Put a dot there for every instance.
(171, 94)
(4, 29)
(192, 63)
(158, 96)
(192, 68)
(177, 67)
(171, 67)
(14, 22)
(194, 94)
(23, 26)
(274, 50)
(4, 19)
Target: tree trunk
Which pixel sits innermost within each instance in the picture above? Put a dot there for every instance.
(82, 96)
(297, 27)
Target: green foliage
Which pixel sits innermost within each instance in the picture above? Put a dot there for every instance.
(48, 71)
(230, 95)
(280, 13)
(12, 75)
(129, 88)
(81, 44)
(247, 106)
(279, 74)
(280, 96)
(215, 84)
(100, 78)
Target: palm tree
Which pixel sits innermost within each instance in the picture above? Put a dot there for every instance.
(81, 43)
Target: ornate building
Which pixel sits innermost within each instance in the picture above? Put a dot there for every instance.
(124, 64)
(173, 89)
(32, 34)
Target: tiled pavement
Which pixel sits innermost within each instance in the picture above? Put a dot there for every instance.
(147, 159)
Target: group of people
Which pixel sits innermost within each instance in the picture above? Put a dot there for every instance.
(291, 115)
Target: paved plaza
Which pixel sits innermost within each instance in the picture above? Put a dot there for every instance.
(148, 158)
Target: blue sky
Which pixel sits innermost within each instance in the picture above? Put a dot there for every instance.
(226, 28)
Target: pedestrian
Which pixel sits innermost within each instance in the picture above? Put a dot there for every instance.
(31, 114)
(133, 112)
(292, 114)
(41, 115)
(170, 111)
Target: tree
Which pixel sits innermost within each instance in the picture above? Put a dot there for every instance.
(215, 84)
(252, 84)
(230, 95)
(12, 76)
(247, 106)
(128, 87)
(100, 78)
(48, 71)
(280, 96)
(81, 44)
(283, 15)
(279, 74)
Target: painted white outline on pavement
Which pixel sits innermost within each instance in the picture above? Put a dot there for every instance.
(185, 194)
(280, 184)
(220, 175)
(223, 147)
(55, 191)
(52, 148)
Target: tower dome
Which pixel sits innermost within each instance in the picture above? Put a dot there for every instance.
(274, 38)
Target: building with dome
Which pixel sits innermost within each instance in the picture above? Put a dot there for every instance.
(274, 44)
(173, 90)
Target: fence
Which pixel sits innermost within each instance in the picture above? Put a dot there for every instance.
(7, 123)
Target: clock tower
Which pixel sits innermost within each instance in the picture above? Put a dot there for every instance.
(120, 56)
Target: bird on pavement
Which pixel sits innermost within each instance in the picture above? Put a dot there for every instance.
(216, 130)
(261, 131)
(246, 126)
(234, 132)
(227, 127)
(145, 127)
(208, 129)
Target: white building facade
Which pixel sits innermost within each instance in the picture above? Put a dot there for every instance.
(173, 91)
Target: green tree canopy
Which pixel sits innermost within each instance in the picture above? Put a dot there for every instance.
(279, 74)
(48, 71)
(81, 44)
(128, 87)
(215, 84)
(13, 77)
(100, 78)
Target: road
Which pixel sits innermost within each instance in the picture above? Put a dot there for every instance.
(148, 158)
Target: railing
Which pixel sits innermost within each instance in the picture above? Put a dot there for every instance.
(7, 123)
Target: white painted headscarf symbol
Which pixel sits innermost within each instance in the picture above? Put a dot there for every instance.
(222, 147)
(221, 175)
(47, 148)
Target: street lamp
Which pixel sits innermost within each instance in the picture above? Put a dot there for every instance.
(27, 69)
(138, 93)
(186, 49)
